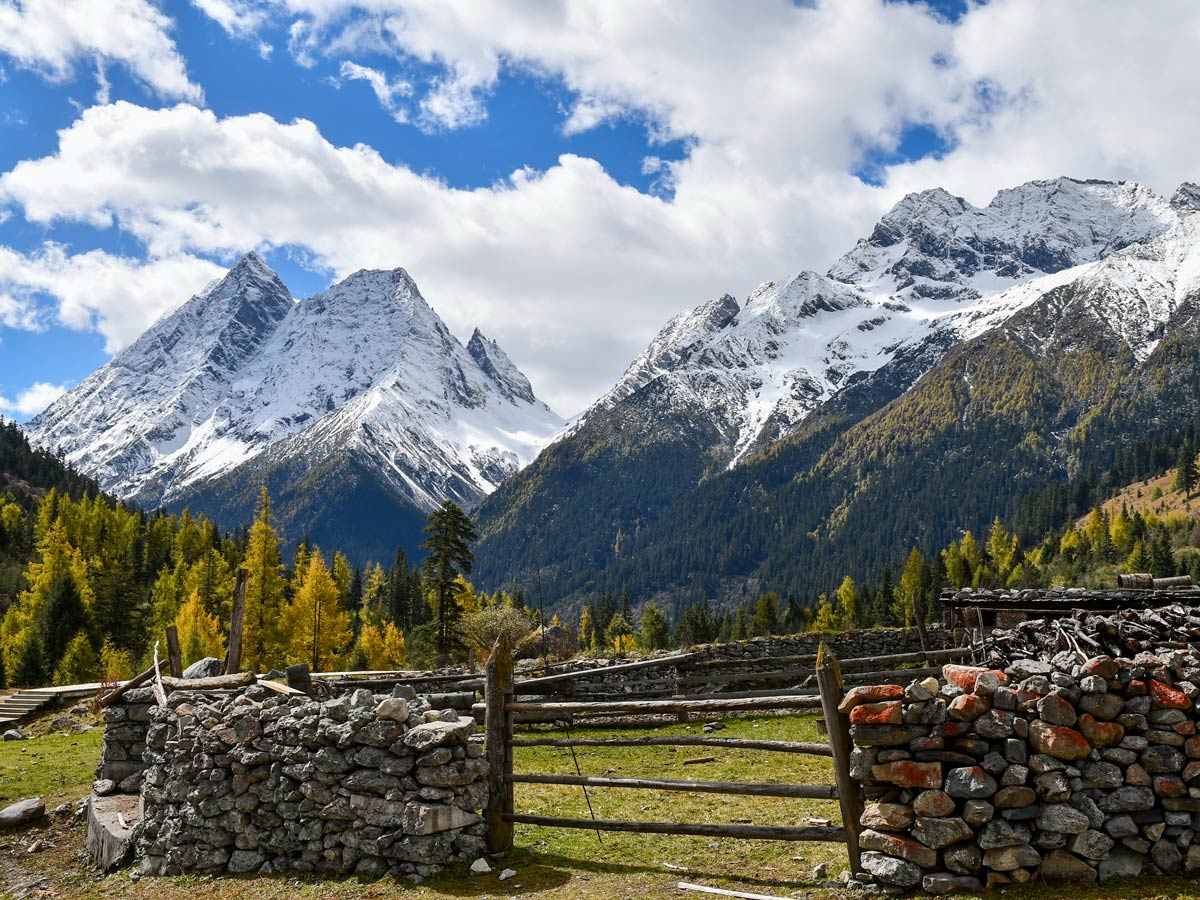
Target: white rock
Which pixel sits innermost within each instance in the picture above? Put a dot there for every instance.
(480, 867)
(507, 874)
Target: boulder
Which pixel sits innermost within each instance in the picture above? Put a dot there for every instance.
(935, 803)
(970, 782)
(944, 883)
(890, 870)
(869, 693)
(889, 712)
(908, 774)
(900, 847)
(22, 812)
(938, 833)
(209, 667)
(887, 816)
(965, 676)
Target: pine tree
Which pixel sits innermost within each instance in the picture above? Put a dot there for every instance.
(739, 630)
(619, 634)
(448, 544)
(887, 596)
(1185, 475)
(320, 624)
(656, 635)
(765, 620)
(264, 634)
(62, 618)
(79, 663)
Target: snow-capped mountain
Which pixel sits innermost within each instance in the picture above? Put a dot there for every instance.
(241, 379)
(935, 271)
(953, 360)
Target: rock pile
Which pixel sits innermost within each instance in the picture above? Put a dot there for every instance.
(1124, 633)
(1061, 769)
(257, 782)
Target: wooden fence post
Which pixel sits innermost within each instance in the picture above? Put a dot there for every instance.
(174, 657)
(498, 747)
(233, 658)
(829, 680)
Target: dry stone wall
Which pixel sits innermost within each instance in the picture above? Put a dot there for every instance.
(257, 782)
(125, 723)
(1065, 769)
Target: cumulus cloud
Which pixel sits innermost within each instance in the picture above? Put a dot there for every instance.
(53, 37)
(114, 295)
(33, 399)
(388, 91)
(777, 104)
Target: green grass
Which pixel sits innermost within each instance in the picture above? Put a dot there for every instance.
(54, 766)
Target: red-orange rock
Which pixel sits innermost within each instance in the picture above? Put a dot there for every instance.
(968, 707)
(909, 774)
(1058, 741)
(1166, 697)
(1169, 786)
(1135, 688)
(1104, 666)
(1192, 747)
(869, 693)
(1100, 734)
(964, 676)
(953, 729)
(890, 712)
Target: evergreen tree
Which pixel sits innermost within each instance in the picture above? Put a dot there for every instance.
(825, 620)
(619, 634)
(765, 620)
(887, 596)
(448, 544)
(62, 618)
(79, 663)
(1185, 475)
(739, 630)
(656, 635)
(264, 635)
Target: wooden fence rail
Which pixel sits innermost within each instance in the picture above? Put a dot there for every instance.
(501, 709)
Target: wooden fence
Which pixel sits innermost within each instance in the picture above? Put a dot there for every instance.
(501, 708)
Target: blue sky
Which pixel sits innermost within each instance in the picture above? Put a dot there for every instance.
(567, 180)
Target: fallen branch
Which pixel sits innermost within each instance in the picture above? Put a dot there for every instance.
(744, 895)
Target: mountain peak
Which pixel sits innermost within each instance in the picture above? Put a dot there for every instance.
(1186, 198)
(496, 364)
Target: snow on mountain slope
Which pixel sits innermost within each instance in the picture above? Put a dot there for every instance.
(934, 272)
(365, 367)
(144, 405)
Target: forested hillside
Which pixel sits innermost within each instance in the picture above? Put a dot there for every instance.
(89, 585)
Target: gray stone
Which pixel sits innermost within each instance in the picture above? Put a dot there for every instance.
(111, 823)
(428, 735)
(1127, 799)
(22, 812)
(999, 833)
(938, 833)
(209, 667)
(1167, 857)
(14, 734)
(944, 883)
(1092, 844)
(1121, 863)
(963, 859)
(1062, 818)
(890, 870)
(1018, 856)
(970, 782)
(394, 709)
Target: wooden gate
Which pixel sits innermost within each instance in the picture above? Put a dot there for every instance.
(501, 708)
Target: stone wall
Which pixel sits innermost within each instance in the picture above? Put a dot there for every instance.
(125, 724)
(754, 655)
(1067, 769)
(258, 782)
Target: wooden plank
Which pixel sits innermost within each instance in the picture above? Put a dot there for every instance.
(628, 707)
(750, 832)
(233, 657)
(136, 681)
(215, 683)
(737, 788)
(280, 688)
(174, 657)
(497, 728)
(810, 748)
(721, 892)
(829, 679)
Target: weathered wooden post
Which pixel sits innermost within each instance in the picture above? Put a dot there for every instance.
(174, 657)
(497, 727)
(829, 680)
(233, 658)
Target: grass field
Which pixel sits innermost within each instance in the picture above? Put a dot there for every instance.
(551, 863)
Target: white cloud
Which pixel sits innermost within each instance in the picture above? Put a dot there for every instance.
(776, 102)
(114, 295)
(389, 92)
(52, 37)
(33, 399)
